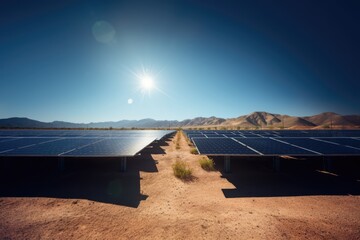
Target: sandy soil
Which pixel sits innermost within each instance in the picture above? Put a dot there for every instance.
(148, 202)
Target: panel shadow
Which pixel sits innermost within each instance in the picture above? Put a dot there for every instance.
(96, 179)
(255, 177)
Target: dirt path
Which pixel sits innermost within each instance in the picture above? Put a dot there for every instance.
(169, 208)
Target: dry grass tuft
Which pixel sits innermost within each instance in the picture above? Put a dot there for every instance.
(182, 170)
(207, 164)
(177, 141)
(193, 151)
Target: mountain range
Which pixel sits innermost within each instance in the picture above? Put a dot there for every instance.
(252, 120)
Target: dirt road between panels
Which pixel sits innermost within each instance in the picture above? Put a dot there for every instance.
(93, 200)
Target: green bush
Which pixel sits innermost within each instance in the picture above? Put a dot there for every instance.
(182, 170)
(193, 151)
(207, 164)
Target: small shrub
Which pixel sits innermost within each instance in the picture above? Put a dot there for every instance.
(182, 170)
(207, 164)
(177, 140)
(193, 151)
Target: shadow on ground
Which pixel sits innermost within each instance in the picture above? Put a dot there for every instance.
(256, 178)
(96, 179)
(156, 147)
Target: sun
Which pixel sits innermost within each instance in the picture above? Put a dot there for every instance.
(147, 83)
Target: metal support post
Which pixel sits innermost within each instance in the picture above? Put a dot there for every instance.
(276, 164)
(61, 164)
(327, 164)
(227, 164)
(123, 164)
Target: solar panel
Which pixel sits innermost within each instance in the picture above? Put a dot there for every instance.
(112, 147)
(5, 139)
(282, 133)
(22, 142)
(195, 135)
(159, 134)
(343, 141)
(52, 148)
(268, 146)
(292, 134)
(221, 146)
(214, 135)
(77, 142)
(250, 135)
(229, 134)
(322, 147)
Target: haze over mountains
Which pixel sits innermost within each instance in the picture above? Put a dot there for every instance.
(253, 120)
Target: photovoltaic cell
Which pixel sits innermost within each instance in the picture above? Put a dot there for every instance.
(250, 136)
(82, 133)
(53, 148)
(21, 142)
(191, 136)
(5, 139)
(214, 135)
(268, 146)
(111, 147)
(61, 142)
(322, 147)
(221, 146)
(343, 141)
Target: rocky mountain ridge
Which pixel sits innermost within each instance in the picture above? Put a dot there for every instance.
(252, 120)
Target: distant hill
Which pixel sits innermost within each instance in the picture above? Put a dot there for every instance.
(29, 123)
(328, 118)
(252, 120)
(265, 119)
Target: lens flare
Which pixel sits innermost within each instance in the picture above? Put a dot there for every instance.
(147, 82)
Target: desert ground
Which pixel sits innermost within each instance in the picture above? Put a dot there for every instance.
(93, 200)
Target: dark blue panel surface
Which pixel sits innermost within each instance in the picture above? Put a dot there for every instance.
(322, 147)
(112, 147)
(159, 134)
(293, 134)
(22, 142)
(268, 146)
(55, 142)
(214, 135)
(5, 139)
(195, 135)
(343, 141)
(221, 146)
(52, 148)
(250, 136)
(230, 134)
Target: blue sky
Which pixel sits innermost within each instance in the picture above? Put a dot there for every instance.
(78, 61)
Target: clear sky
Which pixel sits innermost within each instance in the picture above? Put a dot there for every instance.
(85, 61)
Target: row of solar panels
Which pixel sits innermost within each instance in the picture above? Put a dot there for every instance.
(158, 134)
(78, 145)
(270, 133)
(277, 146)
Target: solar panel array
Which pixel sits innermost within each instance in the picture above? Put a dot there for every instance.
(77, 143)
(275, 143)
